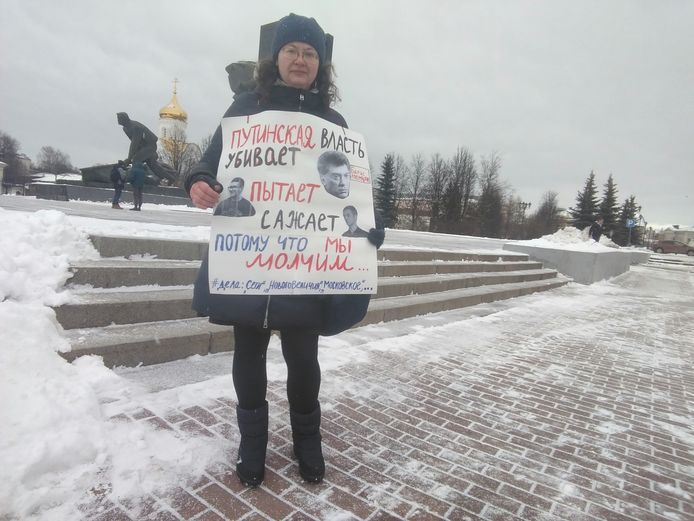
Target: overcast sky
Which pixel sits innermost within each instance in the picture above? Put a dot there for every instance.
(557, 88)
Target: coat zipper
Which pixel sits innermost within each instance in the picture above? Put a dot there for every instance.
(301, 99)
(267, 310)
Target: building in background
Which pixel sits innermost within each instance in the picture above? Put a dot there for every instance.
(173, 146)
(676, 232)
(173, 120)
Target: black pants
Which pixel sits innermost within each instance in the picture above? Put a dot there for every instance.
(300, 351)
(137, 196)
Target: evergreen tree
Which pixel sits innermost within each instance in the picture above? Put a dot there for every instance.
(586, 204)
(622, 235)
(385, 192)
(609, 207)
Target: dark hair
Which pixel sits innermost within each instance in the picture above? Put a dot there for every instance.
(351, 208)
(267, 73)
(237, 180)
(331, 158)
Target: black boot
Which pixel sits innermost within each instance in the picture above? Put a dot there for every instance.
(307, 444)
(250, 466)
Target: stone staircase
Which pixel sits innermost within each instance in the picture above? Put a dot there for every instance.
(132, 306)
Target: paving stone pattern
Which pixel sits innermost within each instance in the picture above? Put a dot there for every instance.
(560, 424)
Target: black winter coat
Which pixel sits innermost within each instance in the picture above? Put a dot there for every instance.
(595, 231)
(325, 314)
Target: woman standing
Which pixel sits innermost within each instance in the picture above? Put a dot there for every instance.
(137, 179)
(298, 78)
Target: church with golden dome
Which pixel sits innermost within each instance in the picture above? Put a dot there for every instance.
(173, 120)
(173, 146)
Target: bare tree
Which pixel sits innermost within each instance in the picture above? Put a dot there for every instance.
(179, 154)
(458, 193)
(491, 197)
(438, 178)
(401, 173)
(53, 161)
(416, 181)
(513, 217)
(204, 143)
(465, 172)
(547, 219)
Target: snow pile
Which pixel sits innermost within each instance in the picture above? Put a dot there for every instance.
(55, 443)
(570, 238)
(141, 229)
(35, 252)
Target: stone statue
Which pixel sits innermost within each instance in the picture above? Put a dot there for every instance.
(143, 147)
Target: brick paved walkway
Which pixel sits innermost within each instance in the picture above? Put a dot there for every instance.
(541, 414)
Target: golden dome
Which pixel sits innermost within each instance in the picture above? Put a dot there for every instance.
(173, 110)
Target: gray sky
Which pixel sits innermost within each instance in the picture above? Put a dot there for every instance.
(557, 88)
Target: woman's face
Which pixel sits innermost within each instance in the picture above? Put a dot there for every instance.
(298, 65)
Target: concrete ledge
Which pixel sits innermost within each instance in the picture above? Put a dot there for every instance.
(70, 192)
(386, 253)
(584, 267)
(639, 257)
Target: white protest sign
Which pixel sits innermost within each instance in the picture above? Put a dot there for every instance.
(296, 204)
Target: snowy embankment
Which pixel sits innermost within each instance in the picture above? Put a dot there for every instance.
(55, 442)
(573, 239)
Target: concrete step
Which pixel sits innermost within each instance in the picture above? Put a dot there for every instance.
(388, 268)
(140, 312)
(127, 247)
(95, 309)
(390, 287)
(397, 308)
(157, 342)
(101, 308)
(112, 246)
(115, 273)
(149, 343)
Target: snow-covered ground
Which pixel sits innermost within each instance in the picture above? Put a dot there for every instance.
(55, 437)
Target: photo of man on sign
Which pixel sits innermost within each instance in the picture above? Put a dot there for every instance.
(235, 205)
(350, 214)
(334, 170)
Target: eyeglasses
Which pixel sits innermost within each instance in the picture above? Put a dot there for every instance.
(293, 53)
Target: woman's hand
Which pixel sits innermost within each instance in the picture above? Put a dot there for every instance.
(203, 195)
